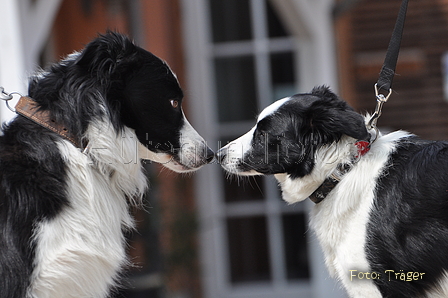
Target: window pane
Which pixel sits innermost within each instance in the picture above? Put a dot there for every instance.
(248, 249)
(296, 251)
(243, 188)
(235, 85)
(230, 20)
(276, 28)
(282, 75)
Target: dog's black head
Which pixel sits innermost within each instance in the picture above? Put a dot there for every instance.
(115, 79)
(289, 132)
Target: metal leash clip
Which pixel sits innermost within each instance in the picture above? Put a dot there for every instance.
(380, 100)
(7, 97)
(4, 95)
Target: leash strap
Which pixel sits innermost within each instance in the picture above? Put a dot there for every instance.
(384, 82)
(390, 62)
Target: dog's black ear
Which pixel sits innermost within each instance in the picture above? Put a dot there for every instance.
(320, 119)
(330, 117)
(105, 53)
(324, 92)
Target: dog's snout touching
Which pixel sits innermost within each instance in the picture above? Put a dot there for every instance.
(221, 155)
(210, 155)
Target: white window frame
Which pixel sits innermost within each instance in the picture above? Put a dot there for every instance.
(313, 69)
(24, 29)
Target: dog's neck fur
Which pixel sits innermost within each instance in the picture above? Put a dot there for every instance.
(343, 168)
(327, 159)
(346, 207)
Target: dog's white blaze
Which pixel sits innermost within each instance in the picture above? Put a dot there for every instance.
(79, 252)
(236, 151)
(272, 108)
(193, 147)
(172, 72)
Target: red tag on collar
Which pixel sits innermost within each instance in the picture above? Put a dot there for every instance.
(363, 148)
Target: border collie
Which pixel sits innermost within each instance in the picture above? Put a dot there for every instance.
(64, 205)
(381, 212)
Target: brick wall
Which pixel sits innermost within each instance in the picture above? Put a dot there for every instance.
(417, 104)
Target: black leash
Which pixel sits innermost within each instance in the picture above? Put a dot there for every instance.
(384, 83)
(388, 70)
(390, 62)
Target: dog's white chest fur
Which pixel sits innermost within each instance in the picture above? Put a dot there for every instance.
(79, 252)
(340, 221)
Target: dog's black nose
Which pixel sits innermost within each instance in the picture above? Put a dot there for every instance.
(210, 155)
(221, 155)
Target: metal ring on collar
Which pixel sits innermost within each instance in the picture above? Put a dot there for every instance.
(7, 97)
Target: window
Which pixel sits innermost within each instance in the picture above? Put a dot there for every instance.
(240, 58)
(252, 58)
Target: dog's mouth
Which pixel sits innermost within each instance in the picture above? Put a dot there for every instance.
(234, 165)
(185, 153)
(183, 160)
(232, 157)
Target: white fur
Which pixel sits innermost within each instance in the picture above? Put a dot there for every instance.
(441, 290)
(193, 147)
(192, 151)
(79, 252)
(340, 220)
(272, 108)
(236, 151)
(327, 158)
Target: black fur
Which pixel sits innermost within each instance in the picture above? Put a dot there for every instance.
(32, 176)
(408, 226)
(298, 128)
(405, 202)
(133, 85)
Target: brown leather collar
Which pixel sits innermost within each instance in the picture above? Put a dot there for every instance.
(28, 108)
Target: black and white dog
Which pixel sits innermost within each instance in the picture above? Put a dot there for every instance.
(64, 202)
(381, 215)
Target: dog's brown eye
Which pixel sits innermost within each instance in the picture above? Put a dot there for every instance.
(174, 103)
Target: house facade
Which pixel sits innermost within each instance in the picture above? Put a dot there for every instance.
(210, 235)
